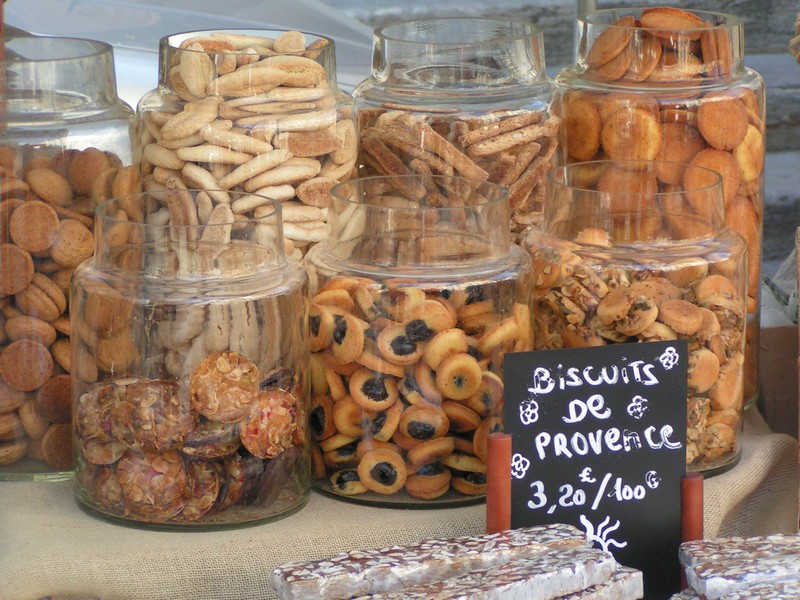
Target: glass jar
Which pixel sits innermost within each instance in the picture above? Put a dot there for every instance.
(415, 297)
(64, 147)
(255, 111)
(460, 96)
(190, 360)
(668, 84)
(622, 258)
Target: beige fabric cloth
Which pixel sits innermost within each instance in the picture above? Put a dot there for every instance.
(48, 546)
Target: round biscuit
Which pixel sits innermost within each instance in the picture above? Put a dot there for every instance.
(722, 119)
(582, 128)
(611, 41)
(632, 135)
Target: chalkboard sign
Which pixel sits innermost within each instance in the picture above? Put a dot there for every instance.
(599, 441)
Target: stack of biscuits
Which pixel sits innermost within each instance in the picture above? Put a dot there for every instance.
(46, 231)
(765, 567)
(513, 148)
(537, 563)
(667, 85)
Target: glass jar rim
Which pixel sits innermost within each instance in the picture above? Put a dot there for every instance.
(526, 29)
(593, 18)
(83, 48)
(173, 40)
(558, 175)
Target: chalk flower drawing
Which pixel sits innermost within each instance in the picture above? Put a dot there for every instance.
(519, 466)
(529, 412)
(637, 407)
(601, 536)
(669, 358)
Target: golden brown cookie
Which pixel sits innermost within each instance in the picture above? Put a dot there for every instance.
(10, 399)
(16, 269)
(57, 446)
(681, 316)
(34, 226)
(24, 326)
(669, 22)
(224, 386)
(722, 120)
(422, 422)
(582, 126)
(681, 143)
(53, 399)
(11, 452)
(373, 391)
(431, 451)
(35, 425)
(49, 186)
(646, 54)
(382, 471)
(458, 376)
(428, 482)
(632, 135)
(73, 243)
(611, 41)
(25, 365)
(11, 427)
(719, 161)
(749, 155)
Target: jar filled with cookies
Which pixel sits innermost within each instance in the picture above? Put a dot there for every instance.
(190, 359)
(250, 111)
(668, 84)
(64, 148)
(461, 96)
(623, 257)
(416, 295)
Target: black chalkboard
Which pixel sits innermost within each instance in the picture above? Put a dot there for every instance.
(599, 441)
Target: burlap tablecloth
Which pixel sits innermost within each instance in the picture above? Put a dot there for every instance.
(48, 546)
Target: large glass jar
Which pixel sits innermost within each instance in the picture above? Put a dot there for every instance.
(64, 147)
(255, 111)
(667, 84)
(460, 96)
(190, 359)
(415, 297)
(622, 258)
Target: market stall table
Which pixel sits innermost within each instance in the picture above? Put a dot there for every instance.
(50, 547)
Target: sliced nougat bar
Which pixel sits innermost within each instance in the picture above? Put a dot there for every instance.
(778, 590)
(394, 568)
(719, 567)
(544, 577)
(624, 584)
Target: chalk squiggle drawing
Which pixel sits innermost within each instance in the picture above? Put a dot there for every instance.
(601, 535)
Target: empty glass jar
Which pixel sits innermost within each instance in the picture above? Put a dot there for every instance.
(190, 358)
